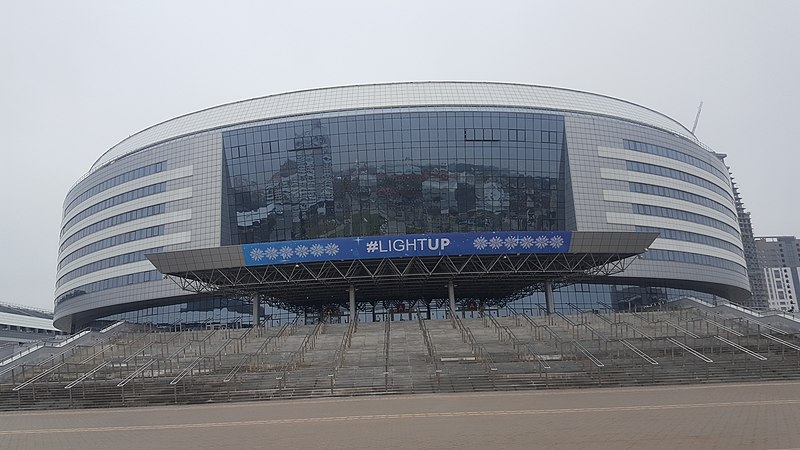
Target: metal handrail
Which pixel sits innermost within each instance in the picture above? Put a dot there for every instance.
(516, 343)
(723, 327)
(338, 357)
(576, 308)
(605, 319)
(112, 326)
(755, 355)
(566, 319)
(639, 352)
(186, 371)
(587, 354)
(637, 330)
(22, 353)
(605, 305)
(136, 372)
(308, 341)
(595, 332)
(246, 358)
(387, 329)
(428, 342)
(690, 350)
(87, 375)
(36, 378)
(781, 341)
(73, 338)
(477, 349)
(681, 329)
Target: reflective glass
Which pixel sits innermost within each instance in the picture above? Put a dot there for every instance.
(422, 174)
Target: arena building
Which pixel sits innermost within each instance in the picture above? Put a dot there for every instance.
(280, 199)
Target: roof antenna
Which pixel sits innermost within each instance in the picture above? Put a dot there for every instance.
(697, 117)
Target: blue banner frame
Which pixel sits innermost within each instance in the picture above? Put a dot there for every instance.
(405, 246)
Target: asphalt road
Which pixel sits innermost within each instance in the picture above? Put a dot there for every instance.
(763, 416)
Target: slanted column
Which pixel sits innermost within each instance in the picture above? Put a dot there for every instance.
(353, 312)
(548, 297)
(451, 294)
(256, 309)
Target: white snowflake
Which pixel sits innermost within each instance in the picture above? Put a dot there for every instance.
(331, 249)
(511, 242)
(256, 254)
(526, 242)
(286, 252)
(316, 250)
(542, 242)
(495, 242)
(556, 241)
(271, 253)
(480, 243)
(301, 251)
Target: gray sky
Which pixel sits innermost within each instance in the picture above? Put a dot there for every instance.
(78, 77)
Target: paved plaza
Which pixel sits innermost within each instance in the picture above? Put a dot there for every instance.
(725, 416)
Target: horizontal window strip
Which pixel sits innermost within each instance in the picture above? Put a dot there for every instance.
(653, 169)
(676, 155)
(671, 213)
(677, 194)
(112, 241)
(114, 201)
(115, 181)
(111, 283)
(107, 263)
(694, 258)
(687, 236)
(113, 221)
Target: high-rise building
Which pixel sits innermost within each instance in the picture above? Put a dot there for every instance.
(779, 256)
(758, 288)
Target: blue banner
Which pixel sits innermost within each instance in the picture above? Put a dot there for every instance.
(407, 245)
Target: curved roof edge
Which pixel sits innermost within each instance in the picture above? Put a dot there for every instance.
(391, 95)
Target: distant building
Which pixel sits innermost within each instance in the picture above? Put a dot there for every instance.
(21, 323)
(780, 258)
(755, 274)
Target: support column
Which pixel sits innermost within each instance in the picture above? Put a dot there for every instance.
(256, 309)
(548, 297)
(353, 312)
(451, 294)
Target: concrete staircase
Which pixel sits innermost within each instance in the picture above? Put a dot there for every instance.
(493, 352)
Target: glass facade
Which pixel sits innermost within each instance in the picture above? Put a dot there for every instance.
(234, 313)
(396, 173)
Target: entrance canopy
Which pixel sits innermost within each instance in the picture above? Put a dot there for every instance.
(486, 266)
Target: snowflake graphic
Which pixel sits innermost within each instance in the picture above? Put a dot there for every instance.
(317, 250)
(542, 242)
(286, 252)
(331, 249)
(556, 242)
(256, 254)
(495, 242)
(526, 242)
(271, 253)
(301, 251)
(480, 243)
(511, 242)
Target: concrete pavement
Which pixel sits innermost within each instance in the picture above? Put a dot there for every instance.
(748, 415)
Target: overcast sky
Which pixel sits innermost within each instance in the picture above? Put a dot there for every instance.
(77, 77)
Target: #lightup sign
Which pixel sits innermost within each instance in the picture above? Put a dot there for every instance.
(404, 246)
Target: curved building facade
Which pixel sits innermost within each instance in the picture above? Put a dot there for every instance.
(394, 159)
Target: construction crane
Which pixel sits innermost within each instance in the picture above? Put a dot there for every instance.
(697, 117)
